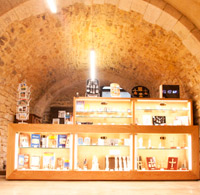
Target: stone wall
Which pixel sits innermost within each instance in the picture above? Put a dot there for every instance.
(149, 45)
(7, 111)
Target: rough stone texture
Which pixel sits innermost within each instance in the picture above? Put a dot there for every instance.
(52, 53)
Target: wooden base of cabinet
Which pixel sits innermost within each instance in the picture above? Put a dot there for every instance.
(102, 175)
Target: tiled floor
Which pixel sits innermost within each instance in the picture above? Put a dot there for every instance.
(98, 187)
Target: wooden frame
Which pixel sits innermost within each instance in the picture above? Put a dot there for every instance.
(13, 174)
(133, 102)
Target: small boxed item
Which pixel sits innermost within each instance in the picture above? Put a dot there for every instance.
(169, 91)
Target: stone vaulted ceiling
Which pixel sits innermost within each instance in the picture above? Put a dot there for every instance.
(137, 43)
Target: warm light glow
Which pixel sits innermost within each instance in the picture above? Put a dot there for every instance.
(189, 152)
(16, 150)
(92, 65)
(52, 5)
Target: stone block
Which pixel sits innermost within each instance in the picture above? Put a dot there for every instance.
(139, 6)
(153, 11)
(100, 2)
(192, 43)
(183, 27)
(168, 18)
(125, 5)
(111, 2)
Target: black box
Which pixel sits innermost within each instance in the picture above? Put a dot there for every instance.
(169, 91)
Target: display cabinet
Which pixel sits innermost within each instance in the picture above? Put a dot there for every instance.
(103, 152)
(163, 112)
(103, 111)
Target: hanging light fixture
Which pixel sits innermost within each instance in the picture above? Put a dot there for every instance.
(52, 5)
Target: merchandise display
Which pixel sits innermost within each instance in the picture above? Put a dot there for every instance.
(23, 102)
(163, 112)
(157, 141)
(100, 111)
(157, 149)
(116, 148)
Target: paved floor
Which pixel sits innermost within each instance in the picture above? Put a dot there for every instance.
(98, 187)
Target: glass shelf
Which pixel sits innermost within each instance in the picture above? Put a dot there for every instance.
(43, 170)
(162, 148)
(154, 109)
(104, 145)
(42, 148)
(80, 116)
(102, 112)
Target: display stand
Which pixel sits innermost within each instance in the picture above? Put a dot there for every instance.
(121, 149)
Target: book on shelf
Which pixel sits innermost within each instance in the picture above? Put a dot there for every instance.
(52, 141)
(35, 162)
(172, 163)
(35, 140)
(48, 160)
(62, 139)
(24, 140)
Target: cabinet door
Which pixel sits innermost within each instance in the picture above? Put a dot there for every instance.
(163, 152)
(163, 112)
(103, 152)
(104, 111)
(43, 151)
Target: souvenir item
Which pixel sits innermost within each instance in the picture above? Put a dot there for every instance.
(159, 120)
(35, 162)
(48, 160)
(24, 140)
(92, 88)
(140, 92)
(114, 90)
(23, 102)
(172, 163)
(169, 91)
(151, 163)
(35, 140)
(62, 139)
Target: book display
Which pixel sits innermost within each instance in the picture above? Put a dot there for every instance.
(111, 139)
(43, 151)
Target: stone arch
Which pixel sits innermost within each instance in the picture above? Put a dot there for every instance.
(155, 12)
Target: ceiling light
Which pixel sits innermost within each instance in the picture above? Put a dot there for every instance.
(52, 5)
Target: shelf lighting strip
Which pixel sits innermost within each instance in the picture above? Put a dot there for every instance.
(162, 101)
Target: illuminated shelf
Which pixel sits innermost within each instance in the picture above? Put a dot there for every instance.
(154, 109)
(43, 170)
(103, 146)
(80, 116)
(162, 148)
(102, 112)
(43, 148)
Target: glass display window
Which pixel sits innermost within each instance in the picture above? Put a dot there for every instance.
(43, 151)
(103, 111)
(163, 152)
(103, 152)
(163, 112)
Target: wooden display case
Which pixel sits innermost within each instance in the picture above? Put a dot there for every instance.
(136, 111)
(176, 112)
(123, 141)
(103, 111)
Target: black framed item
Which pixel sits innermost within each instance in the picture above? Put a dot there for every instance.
(140, 92)
(169, 91)
(92, 88)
